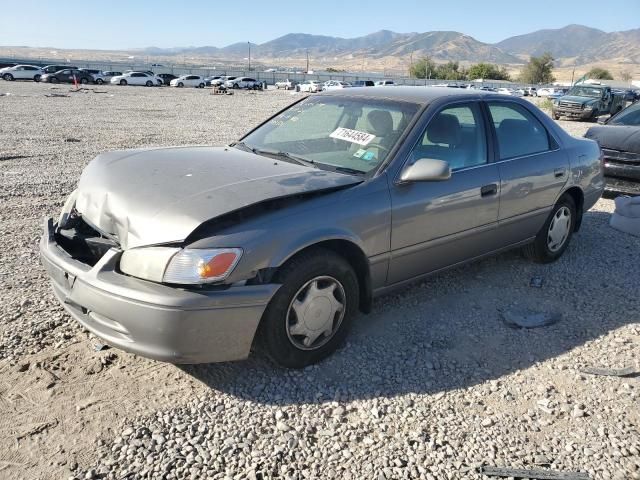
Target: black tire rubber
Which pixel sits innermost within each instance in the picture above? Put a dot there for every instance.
(54, 80)
(236, 86)
(8, 77)
(272, 334)
(180, 85)
(99, 81)
(84, 81)
(201, 85)
(36, 78)
(538, 251)
(149, 83)
(556, 117)
(123, 82)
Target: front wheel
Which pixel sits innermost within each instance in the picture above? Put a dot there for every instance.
(99, 81)
(54, 80)
(554, 236)
(123, 82)
(84, 81)
(36, 78)
(180, 85)
(8, 77)
(149, 83)
(236, 86)
(201, 85)
(309, 316)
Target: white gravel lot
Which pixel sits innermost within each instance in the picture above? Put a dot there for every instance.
(432, 384)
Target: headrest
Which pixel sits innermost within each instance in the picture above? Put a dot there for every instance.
(380, 122)
(445, 128)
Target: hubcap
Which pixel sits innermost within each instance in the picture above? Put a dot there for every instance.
(559, 229)
(315, 313)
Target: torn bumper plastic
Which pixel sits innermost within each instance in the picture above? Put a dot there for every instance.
(152, 320)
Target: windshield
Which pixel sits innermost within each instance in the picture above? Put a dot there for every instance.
(586, 92)
(353, 135)
(628, 116)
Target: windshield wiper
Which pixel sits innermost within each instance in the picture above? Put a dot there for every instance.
(276, 153)
(351, 171)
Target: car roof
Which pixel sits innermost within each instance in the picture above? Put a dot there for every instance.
(409, 94)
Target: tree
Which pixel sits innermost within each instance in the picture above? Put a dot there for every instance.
(538, 70)
(598, 73)
(450, 71)
(487, 71)
(626, 76)
(423, 68)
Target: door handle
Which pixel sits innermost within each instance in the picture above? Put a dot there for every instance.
(488, 190)
(559, 172)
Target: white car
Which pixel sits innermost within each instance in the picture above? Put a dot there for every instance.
(509, 91)
(311, 86)
(216, 82)
(242, 82)
(195, 81)
(21, 72)
(286, 84)
(105, 77)
(546, 91)
(135, 78)
(385, 83)
(158, 80)
(335, 85)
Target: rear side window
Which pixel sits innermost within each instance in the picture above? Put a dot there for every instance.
(519, 133)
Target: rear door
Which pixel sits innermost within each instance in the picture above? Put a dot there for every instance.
(438, 224)
(533, 169)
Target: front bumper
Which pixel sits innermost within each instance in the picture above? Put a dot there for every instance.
(579, 114)
(152, 320)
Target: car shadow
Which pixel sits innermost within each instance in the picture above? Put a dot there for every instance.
(447, 332)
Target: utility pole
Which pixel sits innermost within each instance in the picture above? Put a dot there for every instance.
(249, 43)
(307, 70)
(410, 64)
(573, 72)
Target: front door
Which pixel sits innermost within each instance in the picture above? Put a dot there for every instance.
(437, 224)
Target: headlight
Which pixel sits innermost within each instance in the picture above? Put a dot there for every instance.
(588, 107)
(180, 266)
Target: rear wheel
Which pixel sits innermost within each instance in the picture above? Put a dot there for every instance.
(36, 78)
(123, 82)
(55, 80)
(309, 316)
(99, 81)
(8, 77)
(201, 85)
(84, 81)
(554, 236)
(149, 83)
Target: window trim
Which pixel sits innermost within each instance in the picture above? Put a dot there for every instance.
(554, 144)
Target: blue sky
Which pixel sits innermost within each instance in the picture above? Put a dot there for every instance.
(117, 24)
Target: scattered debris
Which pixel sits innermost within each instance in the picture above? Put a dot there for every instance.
(611, 372)
(56, 95)
(71, 139)
(533, 474)
(13, 157)
(5, 94)
(536, 282)
(98, 347)
(529, 319)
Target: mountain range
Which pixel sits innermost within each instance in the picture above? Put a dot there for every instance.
(574, 43)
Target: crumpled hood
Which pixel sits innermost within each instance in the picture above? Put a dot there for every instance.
(616, 137)
(154, 196)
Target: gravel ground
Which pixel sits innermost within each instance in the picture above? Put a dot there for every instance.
(432, 384)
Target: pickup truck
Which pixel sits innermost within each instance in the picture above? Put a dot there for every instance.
(587, 102)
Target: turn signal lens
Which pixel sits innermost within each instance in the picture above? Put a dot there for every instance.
(193, 266)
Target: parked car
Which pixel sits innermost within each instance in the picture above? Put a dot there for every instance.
(363, 83)
(335, 85)
(546, 91)
(286, 84)
(166, 77)
(57, 68)
(221, 81)
(311, 86)
(385, 83)
(530, 92)
(280, 238)
(243, 82)
(156, 79)
(587, 102)
(509, 91)
(21, 72)
(105, 77)
(68, 75)
(195, 81)
(208, 80)
(135, 78)
(93, 72)
(619, 139)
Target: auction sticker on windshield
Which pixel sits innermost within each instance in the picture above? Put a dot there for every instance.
(353, 136)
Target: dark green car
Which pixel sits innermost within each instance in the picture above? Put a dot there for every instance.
(587, 102)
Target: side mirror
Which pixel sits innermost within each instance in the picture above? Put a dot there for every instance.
(426, 170)
(602, 120)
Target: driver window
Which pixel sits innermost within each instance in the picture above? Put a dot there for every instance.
(456, 135)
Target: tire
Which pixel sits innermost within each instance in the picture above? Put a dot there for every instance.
(36, 78)
(180, 85)
(201, 85)
(556, 116)
(123, 82)
(149, 83)
(84, 81)
(297, 276)
(545, 248)
(236, 86)
(8, 77)
(99, 81)
(54, 80)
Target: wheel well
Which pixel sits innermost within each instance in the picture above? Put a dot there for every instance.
(354, 255)
(578, 198)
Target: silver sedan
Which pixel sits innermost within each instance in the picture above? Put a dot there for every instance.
(198, 254)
